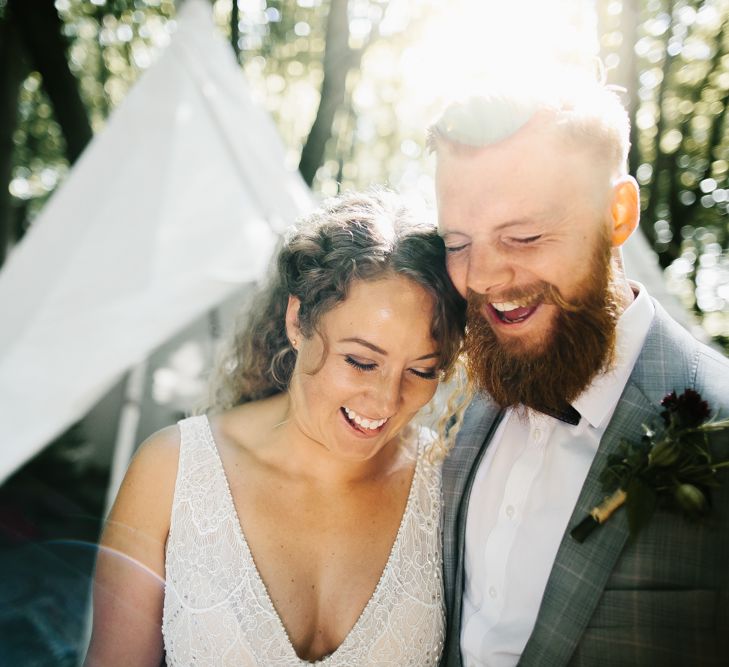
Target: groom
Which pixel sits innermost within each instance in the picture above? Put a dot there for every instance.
(569, 357)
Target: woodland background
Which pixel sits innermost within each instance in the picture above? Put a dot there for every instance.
(352, 85)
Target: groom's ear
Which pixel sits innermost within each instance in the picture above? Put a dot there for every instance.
(624, 210)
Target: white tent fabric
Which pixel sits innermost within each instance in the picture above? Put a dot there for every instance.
(641, 264)
(169, 210)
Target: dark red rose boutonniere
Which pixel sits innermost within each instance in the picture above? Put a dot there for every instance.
(671, 464)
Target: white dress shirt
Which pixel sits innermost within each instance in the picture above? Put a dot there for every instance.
(523, 495)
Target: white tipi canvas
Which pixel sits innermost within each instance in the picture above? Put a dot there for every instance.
(172, 207)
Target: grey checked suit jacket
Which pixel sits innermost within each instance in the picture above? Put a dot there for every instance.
(662, 599)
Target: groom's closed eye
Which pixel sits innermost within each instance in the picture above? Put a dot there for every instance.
(455, 249)
(525, 240)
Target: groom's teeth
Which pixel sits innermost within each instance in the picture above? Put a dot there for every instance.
(509, 305)
(505, 306)
(370, 424)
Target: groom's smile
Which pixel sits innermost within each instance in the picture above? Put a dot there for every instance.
(518, 326)
(513, 313)
(522, 326)
(522, 318)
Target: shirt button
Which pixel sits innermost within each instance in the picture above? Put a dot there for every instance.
(537, 434)
(510, 511)
(492, 592)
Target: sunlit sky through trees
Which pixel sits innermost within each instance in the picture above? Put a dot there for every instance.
(427, 52)
(403, 60)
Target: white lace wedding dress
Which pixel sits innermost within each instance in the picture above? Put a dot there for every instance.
(217, 610)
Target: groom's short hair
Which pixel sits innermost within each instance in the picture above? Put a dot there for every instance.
(584, 109)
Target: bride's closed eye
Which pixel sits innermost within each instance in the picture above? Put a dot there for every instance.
(360, 366)
(431, 374)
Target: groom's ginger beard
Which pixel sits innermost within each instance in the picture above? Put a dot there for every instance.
(552, 373)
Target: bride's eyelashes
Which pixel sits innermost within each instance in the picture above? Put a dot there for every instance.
(360, 366)
(426, 375)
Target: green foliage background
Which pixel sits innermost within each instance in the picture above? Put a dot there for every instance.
(672, 56)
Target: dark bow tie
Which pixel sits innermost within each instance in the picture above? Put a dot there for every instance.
(568, 414)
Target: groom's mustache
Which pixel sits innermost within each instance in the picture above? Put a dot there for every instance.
(537, 292)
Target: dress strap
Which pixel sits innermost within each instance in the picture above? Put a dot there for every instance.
(200, 483)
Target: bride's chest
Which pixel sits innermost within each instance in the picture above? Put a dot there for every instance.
(322, 557)
(312, 580)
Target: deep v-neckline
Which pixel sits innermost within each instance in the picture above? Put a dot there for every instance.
(267, 602)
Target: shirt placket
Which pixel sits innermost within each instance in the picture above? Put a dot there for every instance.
(502, 537)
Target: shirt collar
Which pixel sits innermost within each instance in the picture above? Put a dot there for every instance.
(598, 402)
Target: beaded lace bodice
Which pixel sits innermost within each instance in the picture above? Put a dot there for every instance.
(217, 610)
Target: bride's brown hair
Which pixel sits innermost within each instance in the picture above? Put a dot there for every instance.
(356, 236)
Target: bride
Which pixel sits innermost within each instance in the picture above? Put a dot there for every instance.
(298, 522)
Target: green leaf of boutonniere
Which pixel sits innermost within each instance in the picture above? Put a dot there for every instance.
(642, 504)
(671, 465)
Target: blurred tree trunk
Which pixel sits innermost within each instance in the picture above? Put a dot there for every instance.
(338, 60)
(235, 30)
(12, 69)
(40, 28)
(102, 101)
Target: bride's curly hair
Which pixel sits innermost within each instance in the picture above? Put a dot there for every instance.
(356, 236)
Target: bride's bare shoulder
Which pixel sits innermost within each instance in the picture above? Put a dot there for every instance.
(145, 498)
(160, 451)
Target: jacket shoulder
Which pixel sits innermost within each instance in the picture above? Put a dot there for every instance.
(673, 360)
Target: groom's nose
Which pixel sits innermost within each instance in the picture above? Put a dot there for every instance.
(489, 270)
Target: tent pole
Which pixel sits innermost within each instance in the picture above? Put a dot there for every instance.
(126, 433)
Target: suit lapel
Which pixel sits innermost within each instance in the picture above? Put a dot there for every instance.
(580, 571)
(459, 471)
